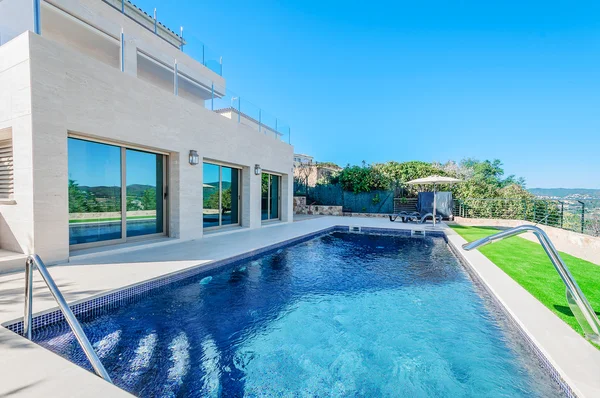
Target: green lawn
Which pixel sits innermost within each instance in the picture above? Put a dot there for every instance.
(527, 263)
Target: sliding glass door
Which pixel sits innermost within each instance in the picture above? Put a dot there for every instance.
(144, 176)
(221, 195)
(95, 191)
(115, 193)
(270, 196)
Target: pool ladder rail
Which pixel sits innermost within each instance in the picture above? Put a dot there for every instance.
(579, 305)
(35, 260)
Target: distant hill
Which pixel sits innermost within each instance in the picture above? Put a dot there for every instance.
(581, 193)
(111, 192)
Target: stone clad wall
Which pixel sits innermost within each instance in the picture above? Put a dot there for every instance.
(300, 207)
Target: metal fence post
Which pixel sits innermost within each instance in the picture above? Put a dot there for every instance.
(562, 212)
(582, 215)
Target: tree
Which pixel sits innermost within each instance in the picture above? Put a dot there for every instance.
(363, 178)
(77, 198)
(398, 174)
(148, 200)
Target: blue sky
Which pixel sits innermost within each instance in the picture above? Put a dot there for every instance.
(95, 164)
(433, 81)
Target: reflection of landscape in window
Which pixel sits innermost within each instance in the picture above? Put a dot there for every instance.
(144, 201)
(269, 196)
(225, 212)
(95, 192)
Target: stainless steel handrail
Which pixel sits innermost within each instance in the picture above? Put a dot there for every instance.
(64, 307)
(581, 308)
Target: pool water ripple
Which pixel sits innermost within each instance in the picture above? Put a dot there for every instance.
(340, 315)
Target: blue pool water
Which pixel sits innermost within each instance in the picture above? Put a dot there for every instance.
(340, 315)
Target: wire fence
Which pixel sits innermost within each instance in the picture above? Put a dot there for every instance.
(574, 215)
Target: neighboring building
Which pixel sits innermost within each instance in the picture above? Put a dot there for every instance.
(307, 172)
(301, 159)
(102, 117)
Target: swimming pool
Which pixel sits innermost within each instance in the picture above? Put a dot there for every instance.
(339, 315)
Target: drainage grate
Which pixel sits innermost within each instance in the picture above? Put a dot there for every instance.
(354, 229)
(417, 233)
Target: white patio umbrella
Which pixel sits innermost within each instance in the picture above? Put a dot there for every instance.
(435, 181)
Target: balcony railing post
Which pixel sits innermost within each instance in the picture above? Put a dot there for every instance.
(203, 59)
(239, 110)
(181, 38)
(37, 17)
(290, 135)
(221, 66)
(155, 23)
(123, 6)
(259, 120)
(175, 79)
(276, 127)
(122, 51)
(212, 97)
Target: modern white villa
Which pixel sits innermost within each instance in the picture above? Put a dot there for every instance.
(112, 133)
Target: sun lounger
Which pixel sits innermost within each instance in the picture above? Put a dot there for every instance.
(415, 216)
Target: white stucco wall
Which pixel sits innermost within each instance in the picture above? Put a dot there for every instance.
(16, 215)
(71, 92)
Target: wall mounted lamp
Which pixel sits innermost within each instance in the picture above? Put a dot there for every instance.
(194, 158)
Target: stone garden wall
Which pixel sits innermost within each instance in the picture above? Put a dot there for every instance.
(300, 207)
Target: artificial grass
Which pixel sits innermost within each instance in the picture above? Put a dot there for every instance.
(527, 263)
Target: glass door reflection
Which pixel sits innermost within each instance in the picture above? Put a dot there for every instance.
(211, 195)
(94, 192)
(144, 193)
(270, 196)
(229, 196)
(221, 195)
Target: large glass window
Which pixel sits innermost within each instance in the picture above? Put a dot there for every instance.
(221, 195)
(94, 192)
(270, 196)
(144, 178)
(99, 210)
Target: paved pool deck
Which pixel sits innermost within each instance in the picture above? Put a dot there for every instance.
(29, 370)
